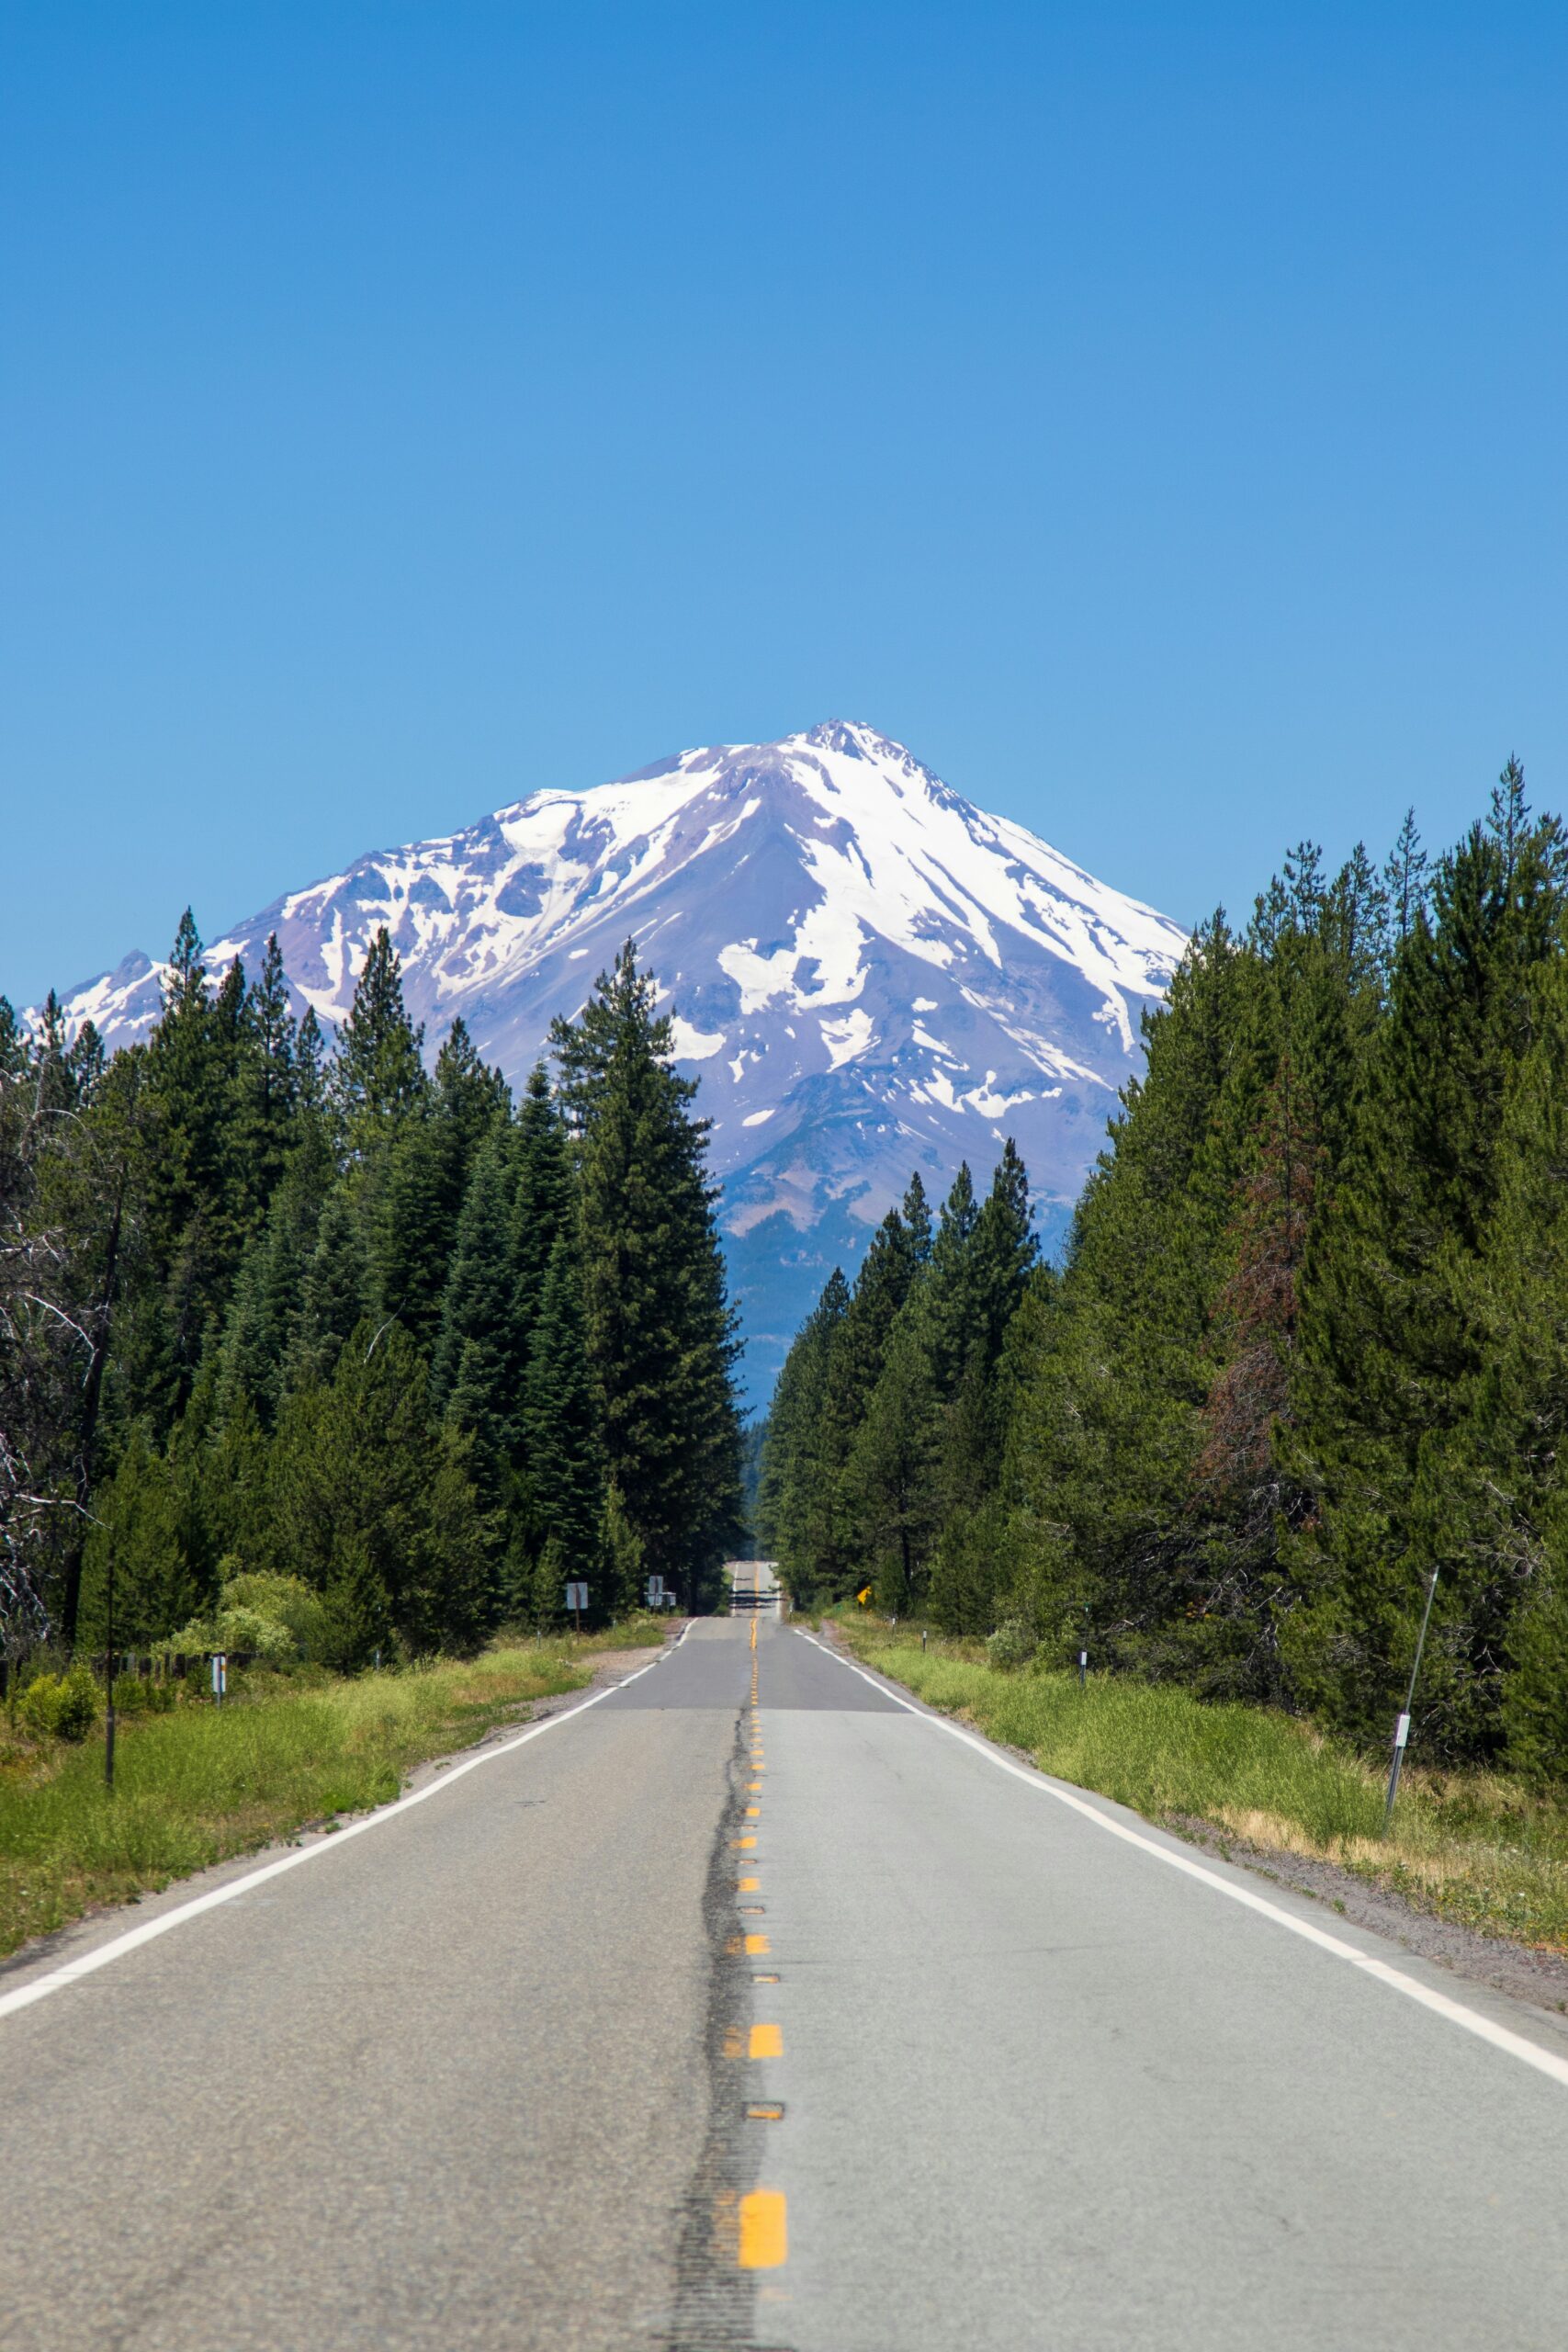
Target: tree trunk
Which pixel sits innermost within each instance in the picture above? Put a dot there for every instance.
(86, 1454)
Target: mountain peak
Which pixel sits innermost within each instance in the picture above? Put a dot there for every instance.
(854, 739)
(868, 973)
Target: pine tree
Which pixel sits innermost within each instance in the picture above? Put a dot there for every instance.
(886, 1274)
(56, 1079)
(1536, 1697)
(138, 1517)
(1393, 1347)
(418, 1204)
(473, 1099)
(478, 1306)
(309, 1065)
(544, 1206)
(13, 1042)
(1100, 1428)
(659, 1330)
(193, 1208)
(264, 1332)
(1405, 879)
(1509, 815)
(335, 1295)
(1507, 1465)
(892, 1468)
(981, 1289)
(379, 1080)
(953, 1303)
(1005, 1251)
(799, 1511)
(561, 1421)
(374, 1506)
(621, 1549)
(266, 1084)
(916, 1216)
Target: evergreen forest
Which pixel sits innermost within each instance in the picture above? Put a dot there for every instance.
(1307, 1348)
(278, 1308)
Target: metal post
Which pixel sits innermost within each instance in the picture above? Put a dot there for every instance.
(108, 1720)
(1401, 1728)
(1083, 1669)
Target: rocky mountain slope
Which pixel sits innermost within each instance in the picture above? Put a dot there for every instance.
(867, 973)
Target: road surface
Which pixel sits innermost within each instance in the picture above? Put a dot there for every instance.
(946, 2061)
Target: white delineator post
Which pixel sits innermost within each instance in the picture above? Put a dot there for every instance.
(1401, 1728)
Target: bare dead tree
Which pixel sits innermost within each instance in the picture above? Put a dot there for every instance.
(65, 1179)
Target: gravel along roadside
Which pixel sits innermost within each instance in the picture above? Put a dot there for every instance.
(1522, 1970)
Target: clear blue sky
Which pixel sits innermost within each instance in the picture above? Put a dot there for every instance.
(1155, 415)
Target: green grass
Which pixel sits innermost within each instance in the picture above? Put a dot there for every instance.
(201, 1783)
(1474, 1846)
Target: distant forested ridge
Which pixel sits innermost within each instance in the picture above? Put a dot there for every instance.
(269, 1306)
(1309, 1342)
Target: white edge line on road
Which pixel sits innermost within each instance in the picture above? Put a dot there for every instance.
(1545, 2062)
(72, 1971)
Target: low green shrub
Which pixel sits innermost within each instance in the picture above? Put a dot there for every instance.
(35, 1708)
(1012, 1644)
(136, 1694)
(279, 1620)
(285, 1600)
(59, 1706)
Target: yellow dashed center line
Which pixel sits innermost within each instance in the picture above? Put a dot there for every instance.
(763, 2212)
(764, 2230)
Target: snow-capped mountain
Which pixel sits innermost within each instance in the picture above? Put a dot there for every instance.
(866, 973)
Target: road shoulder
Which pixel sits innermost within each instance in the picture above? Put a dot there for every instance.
(42, 1955)
(1516, 1985)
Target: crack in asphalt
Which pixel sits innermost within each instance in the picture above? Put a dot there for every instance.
(715, 2307)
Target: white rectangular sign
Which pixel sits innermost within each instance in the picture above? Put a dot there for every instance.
(577, 1596)
(656, 1593)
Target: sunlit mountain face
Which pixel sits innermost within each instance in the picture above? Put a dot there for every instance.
(867, 973)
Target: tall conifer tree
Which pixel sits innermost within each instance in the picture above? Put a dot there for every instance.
(659, 1330)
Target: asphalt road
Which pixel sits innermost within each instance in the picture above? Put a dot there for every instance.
(1023, 2071)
